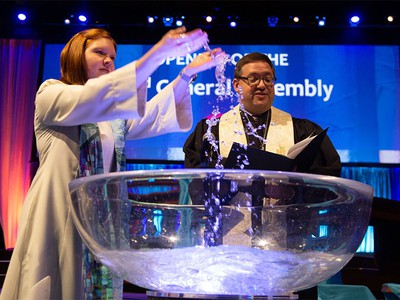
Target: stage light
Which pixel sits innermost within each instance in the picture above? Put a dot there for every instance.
(67, 21)
(22, 17)
(354, 20)
(150, 19)
(232, 21)
(320, 21)
(390, 19)
(179, 21)
(296, 19)
(82, 18)
(209, 19)
(168, 21)
(272, 21)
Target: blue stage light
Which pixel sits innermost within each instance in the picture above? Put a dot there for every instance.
(168, 21)
(272, 21)
(82, 18)
(354, 20)
(321, 21)
(22, 17)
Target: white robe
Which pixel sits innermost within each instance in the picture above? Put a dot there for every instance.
(48, 248)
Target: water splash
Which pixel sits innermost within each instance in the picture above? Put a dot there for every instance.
(213, 235)
(255, 130)
(210, 150)
(224, 270)
(212, 141)
(208, 49)
(224, 89)
(211, 184)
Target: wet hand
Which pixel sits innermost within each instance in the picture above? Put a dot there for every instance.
(205, 61)
(178, 42)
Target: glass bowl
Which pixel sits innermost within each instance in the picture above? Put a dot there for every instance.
(221, 232)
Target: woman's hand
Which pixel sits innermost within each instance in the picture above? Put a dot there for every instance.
(178, 42)
(205, 61)
(201, 62)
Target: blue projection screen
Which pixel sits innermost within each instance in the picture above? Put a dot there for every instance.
(353, 90)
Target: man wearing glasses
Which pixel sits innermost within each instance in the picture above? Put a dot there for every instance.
(256, 123)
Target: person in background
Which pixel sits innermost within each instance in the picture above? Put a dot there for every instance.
(81, 122)
(256, 123)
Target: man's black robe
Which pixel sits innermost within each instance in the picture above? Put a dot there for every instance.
(327, 161)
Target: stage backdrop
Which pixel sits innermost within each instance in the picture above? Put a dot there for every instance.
(353, 90)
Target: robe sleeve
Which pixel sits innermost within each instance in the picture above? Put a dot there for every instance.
(162, 115)
(108, 97)
(195, 148)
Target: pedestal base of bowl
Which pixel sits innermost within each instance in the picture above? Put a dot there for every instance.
(157, 295)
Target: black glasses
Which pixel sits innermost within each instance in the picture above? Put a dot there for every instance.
(254, 81)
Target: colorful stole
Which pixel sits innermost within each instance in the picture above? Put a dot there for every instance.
(99, 281)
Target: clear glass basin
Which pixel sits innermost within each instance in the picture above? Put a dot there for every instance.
(221, 232)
